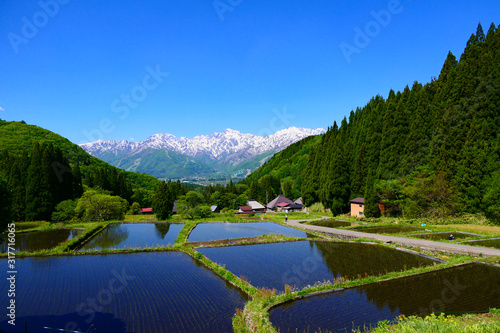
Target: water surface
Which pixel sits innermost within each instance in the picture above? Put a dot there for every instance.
(390, 229)
(468, 288)
(303, 263)
(486, 243)
(139, 235)
(39, 240)
(215, 231)
(137, 292)
(443, 235)
(333, 223)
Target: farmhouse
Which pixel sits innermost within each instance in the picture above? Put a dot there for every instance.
(146, 211)
(275, 204)
(257, 207)
(245, 210)
(357, 206)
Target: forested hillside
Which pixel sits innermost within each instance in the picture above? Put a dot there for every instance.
(429, 150)
(284, 171)
(42, 169)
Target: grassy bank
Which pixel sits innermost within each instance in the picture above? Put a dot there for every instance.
(468, 323)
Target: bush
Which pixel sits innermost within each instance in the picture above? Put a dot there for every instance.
(65, 211)
(317, 208)
(135, 209)
(201, 212)
(94, 205)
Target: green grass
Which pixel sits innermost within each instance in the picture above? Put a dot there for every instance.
(468, 323)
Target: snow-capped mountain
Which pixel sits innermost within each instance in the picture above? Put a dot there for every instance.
(217, 150)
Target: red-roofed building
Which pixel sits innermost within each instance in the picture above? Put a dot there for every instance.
(245, 210)
(274, 205)
(146, 211)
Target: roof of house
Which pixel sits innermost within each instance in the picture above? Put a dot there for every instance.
(255, 204)
(299, 201)
(283, 204)
(146, 210)
(294, 206)
(245, 208)
(213, 208)
(279, 199)
(358, 201)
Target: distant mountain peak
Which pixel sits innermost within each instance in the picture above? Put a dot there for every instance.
(229, 146)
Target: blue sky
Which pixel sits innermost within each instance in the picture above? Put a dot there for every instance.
(129, 69)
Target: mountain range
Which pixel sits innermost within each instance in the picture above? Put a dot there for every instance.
(221, 154)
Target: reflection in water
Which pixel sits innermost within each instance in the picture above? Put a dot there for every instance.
(487, 243)
(470, 288)
(130, 235)
(333, 223)
(443, 235)
(162, 229)
(306, 262)
(110, 237)
(215, 231)
(138, 292)
(390, 229)
(39, 240)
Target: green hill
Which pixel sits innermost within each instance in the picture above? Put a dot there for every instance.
(33, 158)
(16, 137)
(429, 150)
(284, 171)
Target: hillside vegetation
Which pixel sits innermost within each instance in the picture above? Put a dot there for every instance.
(42, 169)
(429, 150)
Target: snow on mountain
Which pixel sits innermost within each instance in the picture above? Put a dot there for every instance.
(213, 146)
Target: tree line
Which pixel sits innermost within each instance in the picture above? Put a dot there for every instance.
(429, 150)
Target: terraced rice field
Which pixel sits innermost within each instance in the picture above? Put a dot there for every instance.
(303, 263)
(129, 235)
(138, 292)
(39, 240)
(204, 232)
(470, 288)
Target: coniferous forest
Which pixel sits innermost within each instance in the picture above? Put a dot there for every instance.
(429, 150)
(40, 169)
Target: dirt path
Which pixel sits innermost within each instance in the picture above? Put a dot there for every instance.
(423, 244)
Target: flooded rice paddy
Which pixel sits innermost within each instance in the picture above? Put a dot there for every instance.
(39, 240)
(204, 232)
(129, 235)
(494, 242)
(390, 229)
(444, 235)
(138, 292)
(303, 263)
(470, 288)
(333, 223)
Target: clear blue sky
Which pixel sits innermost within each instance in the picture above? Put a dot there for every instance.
(252, 65)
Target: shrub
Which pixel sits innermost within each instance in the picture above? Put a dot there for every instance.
(65, 211)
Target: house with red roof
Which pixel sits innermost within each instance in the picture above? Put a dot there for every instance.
(245, 210)
(276, 203)
(146, 211)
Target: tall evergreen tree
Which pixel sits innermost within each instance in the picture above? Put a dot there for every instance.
(163, 200)
(5, 205)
